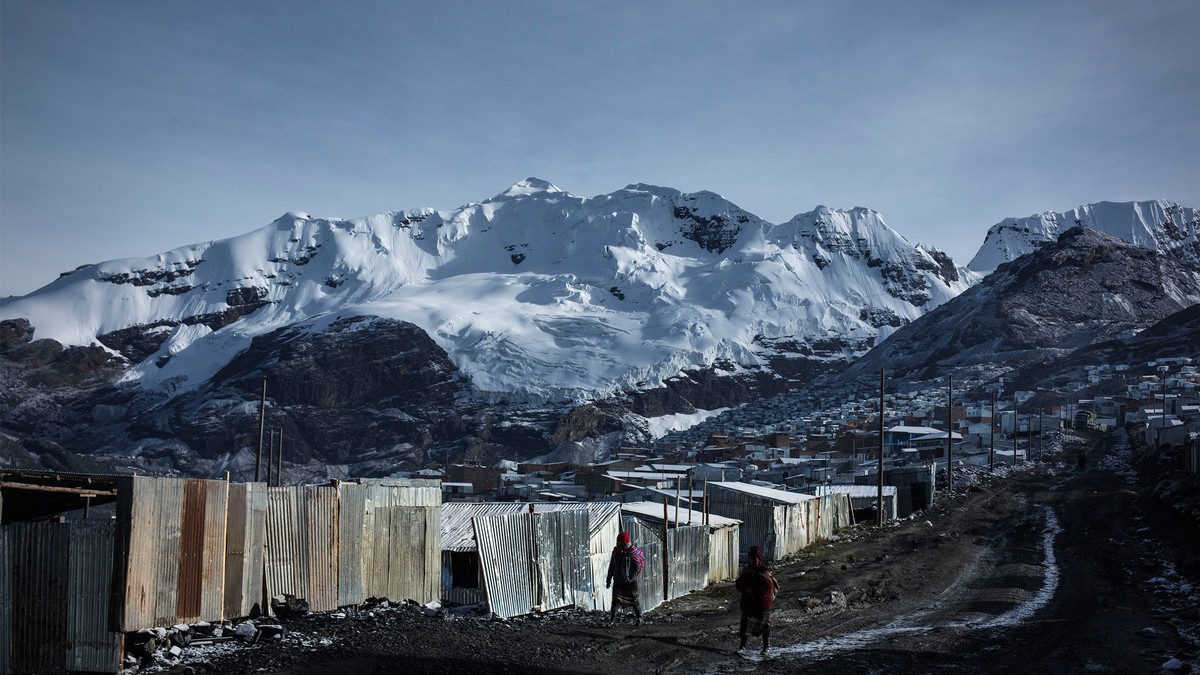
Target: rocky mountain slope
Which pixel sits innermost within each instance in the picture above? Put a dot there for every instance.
(1035, 317)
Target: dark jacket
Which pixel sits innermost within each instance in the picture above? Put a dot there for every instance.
(757, 585)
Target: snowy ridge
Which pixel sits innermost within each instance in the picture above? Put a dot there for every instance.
(1158, 225)
(534, 293)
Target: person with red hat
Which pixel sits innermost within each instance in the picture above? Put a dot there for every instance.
(758, 588)
(624, 567)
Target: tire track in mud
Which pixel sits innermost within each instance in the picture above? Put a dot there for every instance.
(1006, 584)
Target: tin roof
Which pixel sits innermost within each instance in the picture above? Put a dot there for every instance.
(458, 534)
(766, 492)
(653, 511)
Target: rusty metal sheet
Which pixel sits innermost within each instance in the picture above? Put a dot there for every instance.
(152, 510)
(191, 552)
(92, 647)
(245, 545)
(212, 571)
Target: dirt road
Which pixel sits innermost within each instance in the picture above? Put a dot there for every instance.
(1049, 569)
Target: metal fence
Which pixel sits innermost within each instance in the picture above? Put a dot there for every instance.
(54, 597)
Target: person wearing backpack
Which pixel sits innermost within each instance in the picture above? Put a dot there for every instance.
(624, 567)
(757, 588)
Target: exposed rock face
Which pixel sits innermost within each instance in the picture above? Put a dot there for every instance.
(1085, 288)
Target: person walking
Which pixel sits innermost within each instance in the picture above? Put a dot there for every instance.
(757, 588)
(624, 567)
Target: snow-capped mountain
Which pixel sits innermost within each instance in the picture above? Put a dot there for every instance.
(1158, 225)
(512, 326)
(535, 293)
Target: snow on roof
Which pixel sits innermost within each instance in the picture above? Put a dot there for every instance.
(766, 492)
(935, 436)
(654, 512)
(642, 475)
(855, 491)
(902, 429)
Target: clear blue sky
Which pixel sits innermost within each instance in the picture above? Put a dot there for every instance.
(129, 128)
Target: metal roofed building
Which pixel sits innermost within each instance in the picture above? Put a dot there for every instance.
(781, 522)
(721, 547)
(521, 558)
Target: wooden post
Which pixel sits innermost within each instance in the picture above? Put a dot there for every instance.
(279, 462)
(992, 436)
(262, 423)
(949, 437)
(666, 564)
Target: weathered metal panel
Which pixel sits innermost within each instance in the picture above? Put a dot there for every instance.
(212, 572)
(351, 512)
(91, 646)
(688, 568)
(649, 540)
(39, 588)
(245, 548)
(432, 548)
(191, 552)
(505, 553)
(564, 568)
(150, 552)
(370, 573)
(287, 572)
(723, 546)
(319, 521)
(6, 599)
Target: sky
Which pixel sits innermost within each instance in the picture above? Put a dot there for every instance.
(128, 128)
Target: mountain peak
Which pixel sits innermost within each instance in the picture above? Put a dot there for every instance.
(530, 186)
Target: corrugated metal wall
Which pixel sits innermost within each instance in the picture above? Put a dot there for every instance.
(649, 539)
(6, 599)
(781, 529)
(688, 568)
(91, 645)
(505, 557)
(724, 546)
(352, 512)
(201, 550)
(535, 562)
(245, 546)
(339, 546)
(54, 597)
(149, 521)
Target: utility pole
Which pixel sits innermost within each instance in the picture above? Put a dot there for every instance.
(279, 462)
(992, 436)
(262, 423)
(949, 437)
(879, 493)
(270, 455)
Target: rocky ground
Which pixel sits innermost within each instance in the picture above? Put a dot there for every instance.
(1044, 569)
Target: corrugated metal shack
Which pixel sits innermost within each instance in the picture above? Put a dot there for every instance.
(527, 557)
(781, 522)
(723, 535)
(177, 550)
